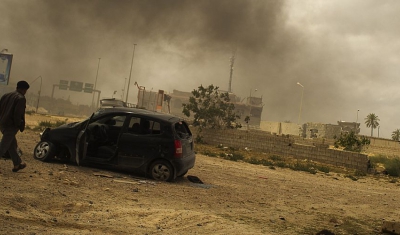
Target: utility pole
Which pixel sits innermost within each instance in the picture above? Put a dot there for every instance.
(301, 101)
(95, 82)
(355, 131)
(40, 91)
(231, 73)
(130, 74)
(123, 90)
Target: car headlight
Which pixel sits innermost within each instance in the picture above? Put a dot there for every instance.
(44, 133)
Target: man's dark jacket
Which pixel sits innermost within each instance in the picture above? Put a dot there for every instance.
(12, 110)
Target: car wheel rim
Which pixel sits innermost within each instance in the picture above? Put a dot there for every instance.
(161, 172)
(42, 150)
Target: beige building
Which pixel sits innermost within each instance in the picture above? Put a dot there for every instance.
(172, 103)
(310, 129)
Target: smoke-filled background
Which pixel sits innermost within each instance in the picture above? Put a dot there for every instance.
(345, 53)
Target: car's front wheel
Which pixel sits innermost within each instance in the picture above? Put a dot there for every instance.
(161, 171)
(44, 151)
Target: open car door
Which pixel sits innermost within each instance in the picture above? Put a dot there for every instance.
(82, 143)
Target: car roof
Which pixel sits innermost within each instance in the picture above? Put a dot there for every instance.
(140, 112)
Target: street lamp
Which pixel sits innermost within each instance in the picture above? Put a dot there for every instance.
(356, 121)
(357, 115)
(95, 82)
(40, 90)
(123, 91)
(301, 101)
(130, 74)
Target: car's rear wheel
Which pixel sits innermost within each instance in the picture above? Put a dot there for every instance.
(161, 171)
(44, 151)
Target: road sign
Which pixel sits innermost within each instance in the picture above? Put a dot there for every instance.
(76, 86)
(5, 68)
(63, 85)
(88, 88)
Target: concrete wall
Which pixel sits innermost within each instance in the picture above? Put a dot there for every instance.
(323, 130)
(280, 128)
(286, 146)
(325, 136)
(318, 130)
(382, 146)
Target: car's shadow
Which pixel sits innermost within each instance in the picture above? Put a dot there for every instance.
(110, 172)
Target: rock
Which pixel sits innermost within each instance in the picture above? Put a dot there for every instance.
(325, 232)
(391, 227)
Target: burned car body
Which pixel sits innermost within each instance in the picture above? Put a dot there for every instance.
(155, 144)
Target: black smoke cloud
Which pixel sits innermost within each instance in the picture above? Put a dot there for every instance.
(182, 44)
(63, 39)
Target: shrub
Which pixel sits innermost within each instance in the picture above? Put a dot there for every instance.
(45, 124)
(266, 162)
(392, 165)
(235, 157)
(359, 173)
(299, 166)
(351, 142)
(254, 161)
(275, 158)
(233, 149)
(324, 169)
(209, 153)
(281, 164)
(199, 139)
(59, 123)
(48, 124)
(211, 108)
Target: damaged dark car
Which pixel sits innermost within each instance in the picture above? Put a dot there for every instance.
(153, 144)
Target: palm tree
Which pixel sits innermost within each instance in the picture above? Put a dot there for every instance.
(396, 135)
(372, 121)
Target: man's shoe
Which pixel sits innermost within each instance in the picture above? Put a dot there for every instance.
(19, 167)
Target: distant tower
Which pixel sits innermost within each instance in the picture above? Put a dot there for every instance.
(231, 74)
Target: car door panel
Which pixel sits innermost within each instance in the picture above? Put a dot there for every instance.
(135, 150)
(82, 143)
(105, 151)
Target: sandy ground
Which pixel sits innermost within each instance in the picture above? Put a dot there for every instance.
(236, 198)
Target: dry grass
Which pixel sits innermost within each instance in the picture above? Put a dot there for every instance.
(33, 119)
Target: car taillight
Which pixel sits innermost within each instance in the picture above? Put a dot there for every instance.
(178, 149)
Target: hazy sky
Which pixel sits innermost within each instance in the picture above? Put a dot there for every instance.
(344, 52)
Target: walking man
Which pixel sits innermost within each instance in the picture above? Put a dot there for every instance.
(12, 120)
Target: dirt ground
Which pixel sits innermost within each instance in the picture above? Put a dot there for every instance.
(236, 198)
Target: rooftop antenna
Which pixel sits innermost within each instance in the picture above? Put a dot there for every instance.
(231, 74)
